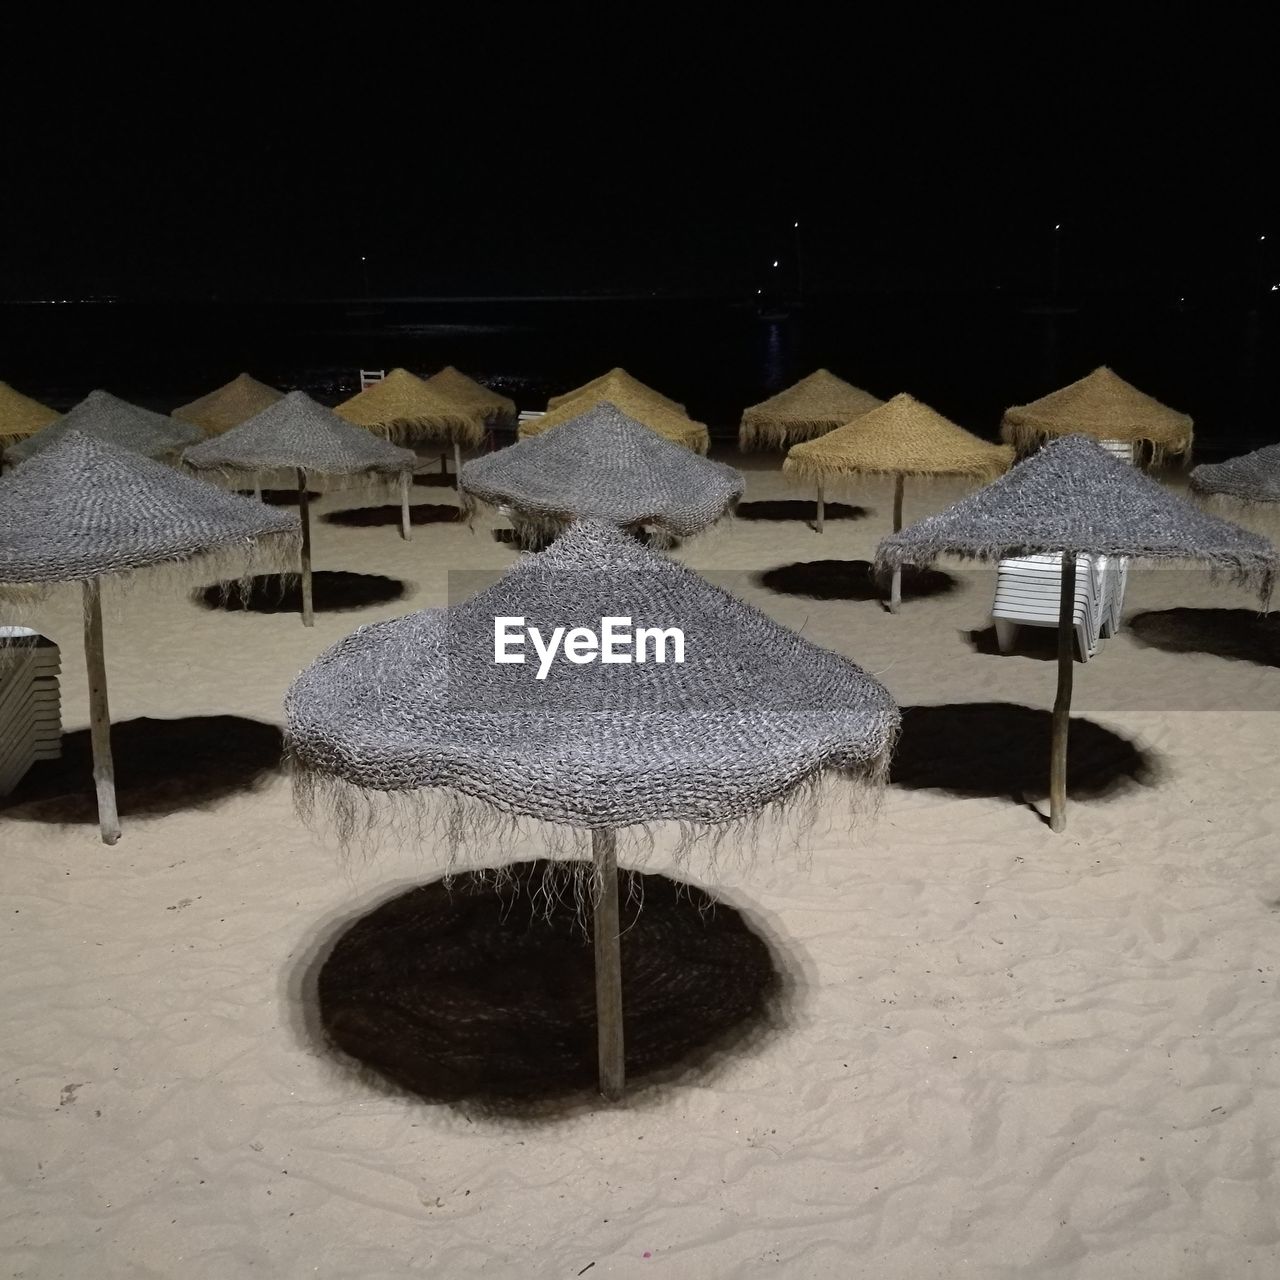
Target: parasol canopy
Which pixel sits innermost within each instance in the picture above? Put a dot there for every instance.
(108, 418)
(815, 405)
(228, 405)
(404, 408)
(1252, 477)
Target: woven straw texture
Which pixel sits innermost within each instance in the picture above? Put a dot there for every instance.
(296, 432)
(604, 464)
(620, 381)
(106, 417)
(21, 416)
(405, 409)
(231, 404)
(671, 424)
(1254, 477)
(84, 508)
(812, 407)
(1074, 496)
(902, 437)
(1101, 405)
(754, 711)
(474, 397)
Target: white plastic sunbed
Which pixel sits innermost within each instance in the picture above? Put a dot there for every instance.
(30, 705)
(1028, 590)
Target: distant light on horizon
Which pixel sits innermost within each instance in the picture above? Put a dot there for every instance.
(775, 262)
(1057, 226)
(796, 225)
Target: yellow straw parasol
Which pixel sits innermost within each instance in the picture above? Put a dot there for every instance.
(812, 407)
(1104, 406)
(474, 397)
(618, 381)
(901, 438)
(229, 405)
(655, 415)
(21, 416)
(407, 411)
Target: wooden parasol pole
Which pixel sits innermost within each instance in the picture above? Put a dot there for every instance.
(1062, 703)
(457, 466)
(404, 505)
(611, 1060)
(895, 586)
(304, 513)
(821, 509)
(104, 774)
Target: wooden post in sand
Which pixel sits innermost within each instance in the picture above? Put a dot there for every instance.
(821, 509)
(457, 466)
(895, 586)
(1062, 703)
(257, 491)
(610, 1056)
(404, 505)
(304, 514)
(104, 774)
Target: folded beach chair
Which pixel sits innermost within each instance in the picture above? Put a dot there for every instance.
(30, 705)
(1027, 594)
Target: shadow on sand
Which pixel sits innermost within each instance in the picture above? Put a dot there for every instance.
(797, 509)
(1040, 643)
(332, 591)
(279, 497)
(374, 517)
(1239, 634)
(434, 480)
(162, 766)
(483, 994)
(1002, 749)
(852, 580)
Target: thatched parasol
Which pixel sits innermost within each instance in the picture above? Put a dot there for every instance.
(403, 408)
(474, 397)
(603, 464)
(229, 405)
(1104, 406)
(84, 509)
(21, 416)
(298, 435)
(812, 407)
(1069, 498)
(1252, 477)
(418, 708)
(671, 424)
(619, 381)
(103, 416)
(901, 438)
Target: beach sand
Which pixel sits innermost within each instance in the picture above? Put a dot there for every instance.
(1004, 1052)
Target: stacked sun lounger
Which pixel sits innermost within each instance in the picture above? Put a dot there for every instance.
(1028, 590)
(30, 708)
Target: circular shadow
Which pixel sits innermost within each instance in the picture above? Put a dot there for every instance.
(483, 992)
(278, 497)
(1001, 749)
(372, 517)
(796, 509)
(1239, 634)
(161, 766)
(852, 580)
(332, 591)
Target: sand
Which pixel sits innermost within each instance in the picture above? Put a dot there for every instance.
(1005, 1052)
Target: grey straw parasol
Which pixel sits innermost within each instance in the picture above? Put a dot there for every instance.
(417, 712)
(297, 435)
(603, 464)
(1072, 497)
(1252, 477)
(1102, 405)
(901, 438)
(106, 417)
(229, 405)
(83, 510)
(816, 404)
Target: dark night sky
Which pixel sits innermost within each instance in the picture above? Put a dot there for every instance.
(550, 153)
